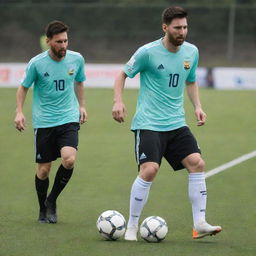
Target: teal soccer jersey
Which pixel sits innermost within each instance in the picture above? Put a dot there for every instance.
(54, 98)
(163, 76)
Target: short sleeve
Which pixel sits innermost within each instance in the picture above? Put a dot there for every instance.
(80, 76)
(192, 74)
(29, 76)
(137, 63)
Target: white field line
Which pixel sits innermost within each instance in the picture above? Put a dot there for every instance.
(227, 165)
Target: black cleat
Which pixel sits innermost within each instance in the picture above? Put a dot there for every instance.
(42, 217)
(51, 212)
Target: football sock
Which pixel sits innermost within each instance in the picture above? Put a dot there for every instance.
(197, 195)
(138, 198)
(61, 179)
(41, 189)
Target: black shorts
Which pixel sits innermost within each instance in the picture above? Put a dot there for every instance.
(174, 146)
(49, 141)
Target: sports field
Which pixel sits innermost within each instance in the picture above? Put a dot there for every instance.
(103, 175)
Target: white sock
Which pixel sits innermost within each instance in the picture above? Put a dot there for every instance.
(197, 195)
(138, 198)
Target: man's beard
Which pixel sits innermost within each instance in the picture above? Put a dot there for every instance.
(59, 54)
(175, 41)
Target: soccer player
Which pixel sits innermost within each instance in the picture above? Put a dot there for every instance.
(166, 67)
(58, 108)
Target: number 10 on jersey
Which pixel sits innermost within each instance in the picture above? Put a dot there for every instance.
(59, 85)
(174, 80)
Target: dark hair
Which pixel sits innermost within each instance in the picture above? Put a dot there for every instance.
(173, 12)
(55, 27)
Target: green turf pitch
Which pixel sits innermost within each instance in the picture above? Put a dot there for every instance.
(105, 170)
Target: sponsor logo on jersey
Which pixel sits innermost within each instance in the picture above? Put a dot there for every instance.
(186, 64)
(71, 71)
(161, 66)
(46, 74)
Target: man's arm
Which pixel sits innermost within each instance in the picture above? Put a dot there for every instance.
(193, 93)
(19, 120)
(118, 110)
(79, 90)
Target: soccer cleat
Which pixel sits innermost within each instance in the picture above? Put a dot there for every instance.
(131, 233)
(203, 229)
(42, 217)
(51, 212)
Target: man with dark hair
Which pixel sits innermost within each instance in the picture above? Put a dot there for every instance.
(171, 13)
(58, 108)
(166, 67)
(55, 27)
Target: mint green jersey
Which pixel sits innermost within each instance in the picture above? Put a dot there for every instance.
(163, 77)
(54, 99)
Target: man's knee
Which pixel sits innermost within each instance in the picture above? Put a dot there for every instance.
(196, 164)
(43, 170)
(68, 156)
(68, 161)
(148, 171)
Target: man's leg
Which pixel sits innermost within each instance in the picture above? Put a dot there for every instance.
(63, 175)
(42, 184)
(198, 195)
(138, 198)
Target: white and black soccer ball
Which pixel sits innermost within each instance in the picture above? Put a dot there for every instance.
(111, 224)
(153, 229)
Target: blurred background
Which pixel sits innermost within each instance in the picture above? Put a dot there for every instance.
(109, 31)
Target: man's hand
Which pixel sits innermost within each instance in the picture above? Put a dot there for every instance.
(83, 115)
(119, 111)
(200, 116)
(20, 122)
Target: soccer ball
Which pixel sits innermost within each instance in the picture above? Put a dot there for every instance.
(111, 224)
(153, 229)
